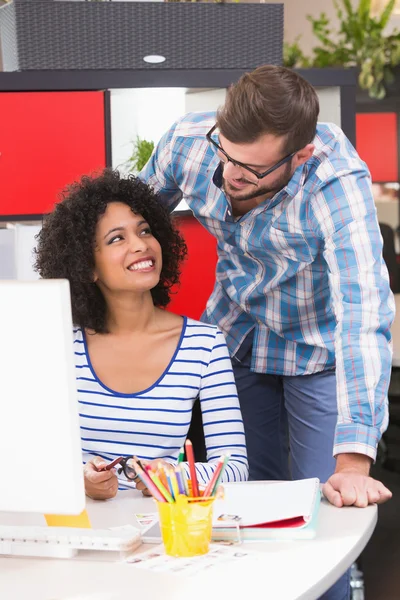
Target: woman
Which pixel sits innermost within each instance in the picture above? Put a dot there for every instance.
(139, 368)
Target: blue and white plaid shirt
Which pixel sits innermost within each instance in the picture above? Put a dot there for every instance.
(303, 270)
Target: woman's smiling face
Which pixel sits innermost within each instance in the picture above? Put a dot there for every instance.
(127, 256)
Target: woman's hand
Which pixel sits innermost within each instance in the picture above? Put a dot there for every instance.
(99, 485)
(154, 464)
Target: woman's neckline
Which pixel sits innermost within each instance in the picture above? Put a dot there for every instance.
(141, 392)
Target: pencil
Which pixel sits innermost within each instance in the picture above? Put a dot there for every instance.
(192, 468)
(156, 480)
(162, 475)
(174, 483)
(144, 477)
(184, 479)
(181, 455)
(214, 490)
(210, 485)
(170, 486)
(179, 479)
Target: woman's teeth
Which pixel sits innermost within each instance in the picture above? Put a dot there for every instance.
(145, 264)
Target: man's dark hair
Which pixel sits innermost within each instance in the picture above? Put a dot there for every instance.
(66, 243)
(270, 100)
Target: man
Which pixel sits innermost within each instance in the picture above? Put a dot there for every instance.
(302, 293)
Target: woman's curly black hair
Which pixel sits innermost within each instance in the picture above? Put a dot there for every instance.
(66, 243)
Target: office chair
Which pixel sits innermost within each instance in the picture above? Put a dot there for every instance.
(390, 257)
(196, 434)
(385, 451)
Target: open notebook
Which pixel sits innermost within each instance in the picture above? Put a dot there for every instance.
(284, 510)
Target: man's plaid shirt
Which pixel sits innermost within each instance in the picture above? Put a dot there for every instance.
(303, 271)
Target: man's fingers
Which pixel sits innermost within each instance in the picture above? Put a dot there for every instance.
(384, 493)
(354, 489)
(376, 493)
(347, 492)
(362, 498)
(332, 495)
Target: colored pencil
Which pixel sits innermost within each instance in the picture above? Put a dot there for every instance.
(184, 479)
(214, 490)
(170, 486)
(179, 479)
(192, 468)
(174, 482)
(211, 484)
(162, 475)
(156, 480)
(144, 477)
(181, 455)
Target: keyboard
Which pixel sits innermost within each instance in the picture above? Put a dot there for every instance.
(65, 542)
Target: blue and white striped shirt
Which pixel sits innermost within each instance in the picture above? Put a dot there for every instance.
(154, 423)
(303, 271)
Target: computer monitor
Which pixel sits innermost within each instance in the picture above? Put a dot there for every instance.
(40, 449)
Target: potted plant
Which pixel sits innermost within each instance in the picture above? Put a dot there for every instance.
(64, 34)
(360, 41)
(141, 153)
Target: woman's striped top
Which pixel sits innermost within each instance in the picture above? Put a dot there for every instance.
(154, 423)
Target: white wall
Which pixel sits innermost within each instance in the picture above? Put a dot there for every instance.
(204, 100)
(24, 244)
(143, 112)
(329, 105)
(7, 253)
(16, 250)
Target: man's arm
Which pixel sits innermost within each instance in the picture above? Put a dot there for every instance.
(364, 309)
(158, 172)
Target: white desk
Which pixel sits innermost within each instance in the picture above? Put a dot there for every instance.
(396, 333)
(300, 570)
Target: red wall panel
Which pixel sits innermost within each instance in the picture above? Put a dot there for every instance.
(48, 139)
(377, 144)
(198, 273)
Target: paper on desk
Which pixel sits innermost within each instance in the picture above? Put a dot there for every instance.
(156, 559)
(146, 518)
(259, 504)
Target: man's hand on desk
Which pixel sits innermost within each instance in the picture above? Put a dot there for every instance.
(99, 485)
(351, 485)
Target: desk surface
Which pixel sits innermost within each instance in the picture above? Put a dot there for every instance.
(294, 570)
(396, 333)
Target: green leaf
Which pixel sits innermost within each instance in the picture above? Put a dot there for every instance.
(388, 75)
(142, 150)
(364, 10)
(293, 55)
(387, 13)
(348, 7)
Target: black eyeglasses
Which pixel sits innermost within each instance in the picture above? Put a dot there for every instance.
(128, 470)
(241, 165)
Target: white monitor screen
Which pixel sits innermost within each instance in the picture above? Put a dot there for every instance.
(39, 427)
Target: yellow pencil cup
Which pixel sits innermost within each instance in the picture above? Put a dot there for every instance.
(186, 525)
